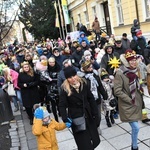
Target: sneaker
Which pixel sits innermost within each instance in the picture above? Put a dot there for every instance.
(22, 108)
(16, 109)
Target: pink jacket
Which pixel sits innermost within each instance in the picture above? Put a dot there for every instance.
(14, 76)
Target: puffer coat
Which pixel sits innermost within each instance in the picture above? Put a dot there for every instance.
(46, 136)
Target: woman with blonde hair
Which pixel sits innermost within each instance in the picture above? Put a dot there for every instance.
(12, 77)
(77, 102)
(28, 82)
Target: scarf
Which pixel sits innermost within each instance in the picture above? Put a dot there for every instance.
(94, 85)
(133, 81)
(76, 86)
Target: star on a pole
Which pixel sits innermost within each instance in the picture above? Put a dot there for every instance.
(114, 62)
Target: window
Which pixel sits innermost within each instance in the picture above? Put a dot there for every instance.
(94, 11)
(79, 18)
(87, 19)
(72, 24)
(86, 16)
(147, 8)
(119, 12)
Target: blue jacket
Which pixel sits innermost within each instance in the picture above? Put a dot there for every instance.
(83, 39)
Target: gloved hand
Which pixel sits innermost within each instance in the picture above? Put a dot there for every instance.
(68, 123)
(38, 113)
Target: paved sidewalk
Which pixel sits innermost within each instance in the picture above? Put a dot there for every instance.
(118, 137)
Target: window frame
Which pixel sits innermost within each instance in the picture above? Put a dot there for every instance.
(79, 18)
(86, 19)
(94, 11)
(145, 8)
(119, 12)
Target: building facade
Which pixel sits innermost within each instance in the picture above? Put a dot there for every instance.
(115, 16)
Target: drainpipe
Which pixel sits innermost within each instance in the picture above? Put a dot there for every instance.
(137, 11)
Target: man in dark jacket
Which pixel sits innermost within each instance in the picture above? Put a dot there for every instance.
(118, 46)
(77, 56)
(58, 57)
(147, 53)
(135, 28)
(107, 56)
(125, 41)
(141, 42)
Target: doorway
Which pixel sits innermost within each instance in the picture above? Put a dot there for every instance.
(107, 18)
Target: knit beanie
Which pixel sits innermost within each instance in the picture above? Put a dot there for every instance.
(45, 113)
(56, 49)
(130, 54)
(69, 72)
(138, 33)
(66, 61)
(86, 53)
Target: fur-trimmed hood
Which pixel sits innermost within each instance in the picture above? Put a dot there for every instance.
(123, 60)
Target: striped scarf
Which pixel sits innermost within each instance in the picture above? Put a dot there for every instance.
(133, 81)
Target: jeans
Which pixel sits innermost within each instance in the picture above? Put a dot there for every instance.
(135, 38)
(17, 98)
(98, 37)
(134, 135)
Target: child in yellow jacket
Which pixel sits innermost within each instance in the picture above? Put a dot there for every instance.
(44, 129)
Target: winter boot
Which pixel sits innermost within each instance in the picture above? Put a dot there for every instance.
(108, 121)
(112, 119)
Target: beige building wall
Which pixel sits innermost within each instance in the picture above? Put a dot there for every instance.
(86, 6)
(129, 14)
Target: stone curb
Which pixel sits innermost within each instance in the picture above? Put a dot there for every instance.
(17, 135)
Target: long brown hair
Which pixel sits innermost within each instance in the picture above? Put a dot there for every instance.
(30, 72)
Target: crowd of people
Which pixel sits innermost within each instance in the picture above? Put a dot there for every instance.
(75, 79)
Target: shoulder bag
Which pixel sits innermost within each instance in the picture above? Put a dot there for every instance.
(79, 124)
(10, 89)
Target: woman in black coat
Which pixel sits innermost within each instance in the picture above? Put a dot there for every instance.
(96, 87)
(28, 82)
(76, 96)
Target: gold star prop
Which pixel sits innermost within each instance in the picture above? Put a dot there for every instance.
(114, 62)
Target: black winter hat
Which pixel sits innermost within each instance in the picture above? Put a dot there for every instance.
(69, 72)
